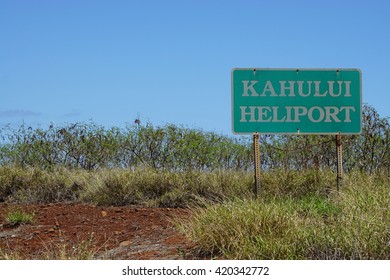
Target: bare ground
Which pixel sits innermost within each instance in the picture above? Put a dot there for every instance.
(71, 230)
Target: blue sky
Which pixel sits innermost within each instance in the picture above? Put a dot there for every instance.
(170, 61)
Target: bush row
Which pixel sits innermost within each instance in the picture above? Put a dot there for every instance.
(176, 148)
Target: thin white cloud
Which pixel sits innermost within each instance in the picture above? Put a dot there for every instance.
(17, 113)
(73, 113)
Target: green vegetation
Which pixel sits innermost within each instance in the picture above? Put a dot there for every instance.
(174, 148)
(353, 224)
(299, 215)
(146, 187)
(17, 217)
(149, 187)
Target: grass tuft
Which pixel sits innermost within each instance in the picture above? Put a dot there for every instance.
(18, 217)
(83, 250)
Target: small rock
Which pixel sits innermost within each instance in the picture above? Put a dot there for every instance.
(125, 243)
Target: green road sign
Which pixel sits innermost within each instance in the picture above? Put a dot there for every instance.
(305, 101)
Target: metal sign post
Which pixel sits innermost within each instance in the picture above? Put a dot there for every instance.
(256, 147)
(339, 149)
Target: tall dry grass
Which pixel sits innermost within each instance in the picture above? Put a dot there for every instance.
(351, 224)
(150, 187)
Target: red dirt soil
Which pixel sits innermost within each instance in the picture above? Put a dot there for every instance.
(107, 232)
